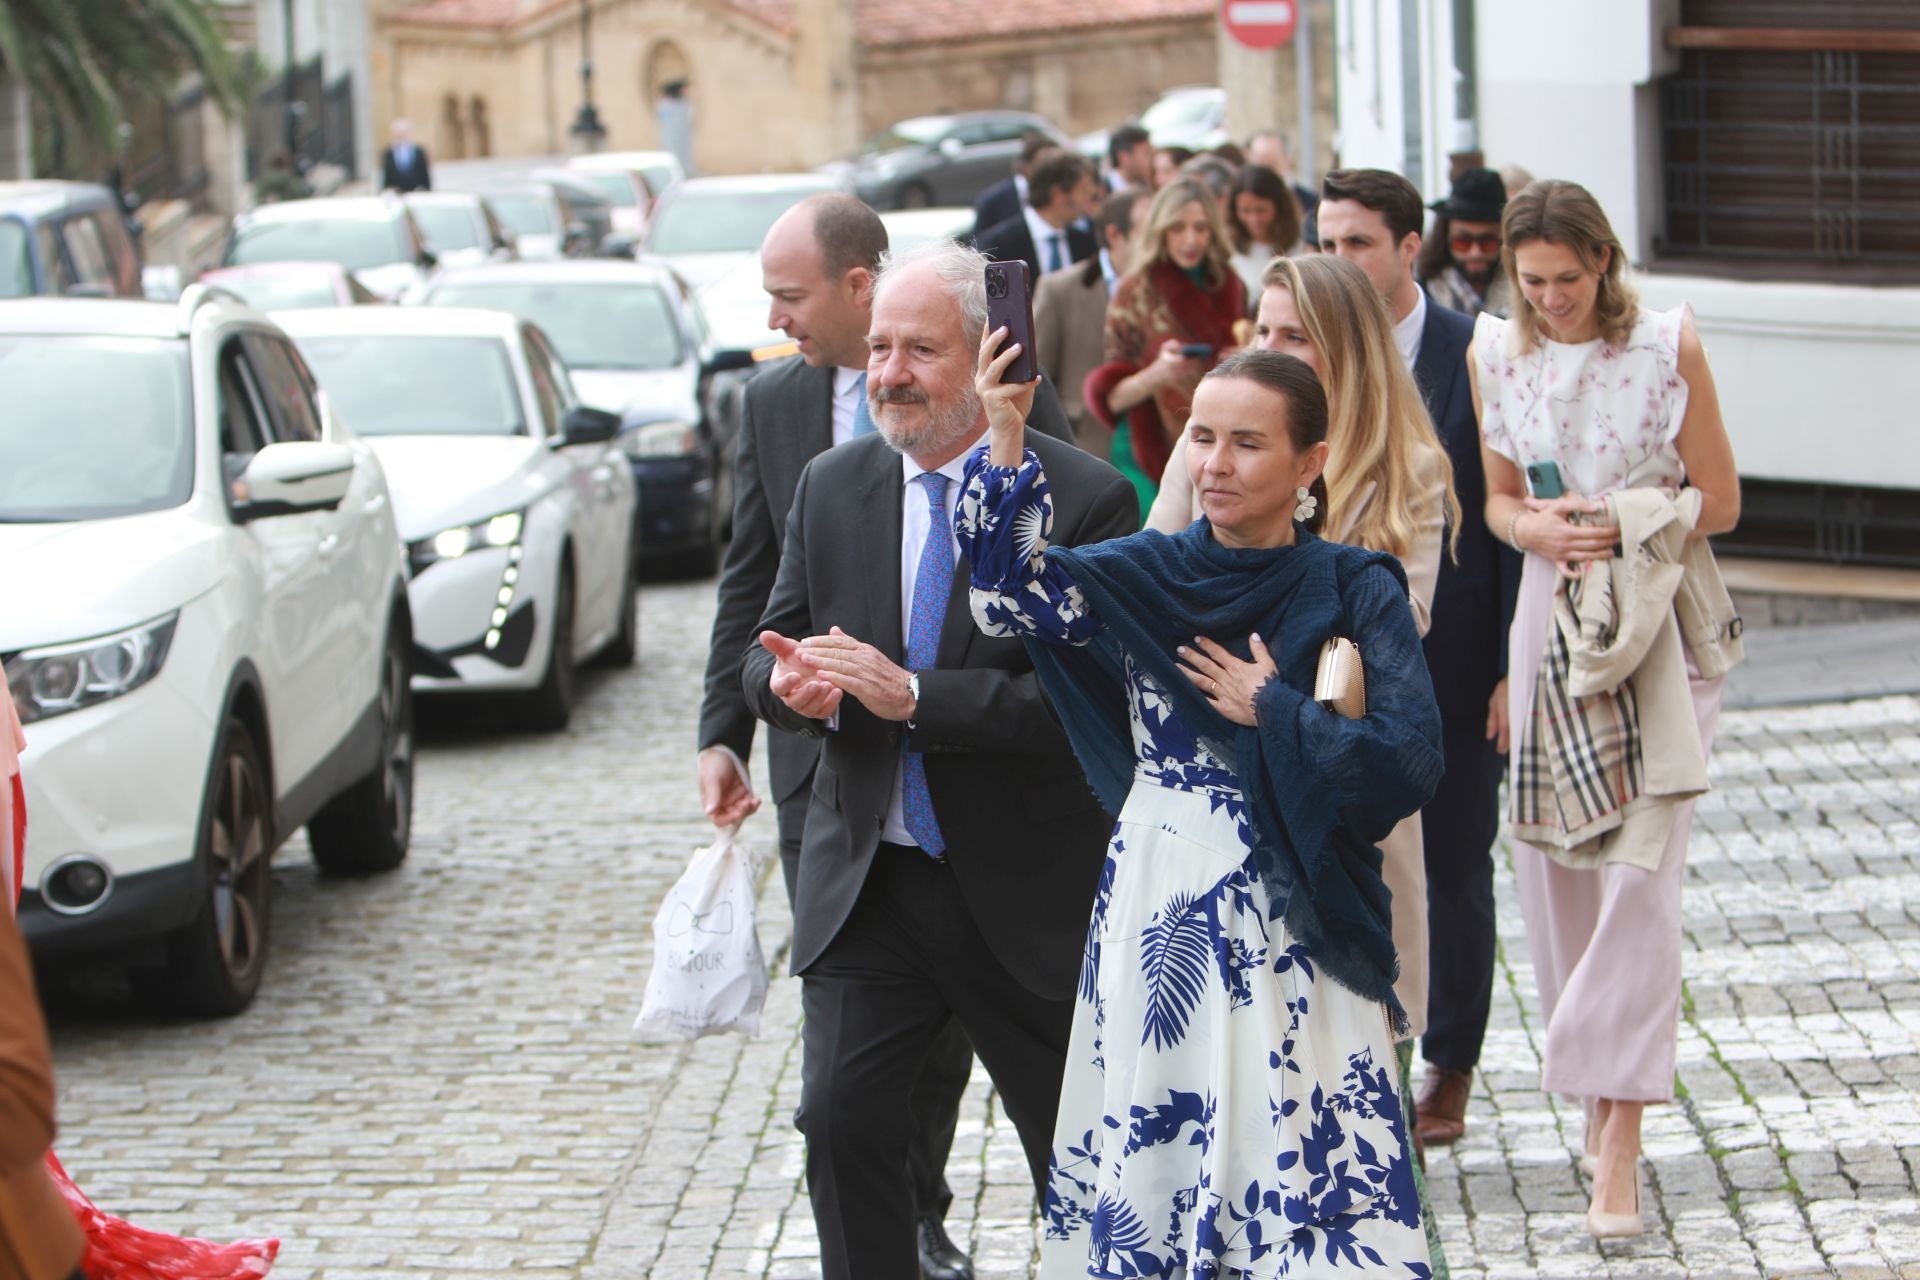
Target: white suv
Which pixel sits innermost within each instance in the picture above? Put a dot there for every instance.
(205, 628)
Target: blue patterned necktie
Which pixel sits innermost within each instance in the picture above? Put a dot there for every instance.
(862, 416)
(932, 584)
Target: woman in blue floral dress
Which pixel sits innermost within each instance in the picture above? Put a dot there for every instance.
(1229, 1107)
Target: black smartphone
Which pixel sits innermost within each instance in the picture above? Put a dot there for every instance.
(1543, 479)
(1010, 307)
(1196, 350)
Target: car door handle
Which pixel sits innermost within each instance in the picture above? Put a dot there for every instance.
(328, 544)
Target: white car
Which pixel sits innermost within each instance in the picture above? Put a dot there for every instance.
(515, 504)
(375, 237)
(207, 632)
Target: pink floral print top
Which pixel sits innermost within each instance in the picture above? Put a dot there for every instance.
(1607, 415)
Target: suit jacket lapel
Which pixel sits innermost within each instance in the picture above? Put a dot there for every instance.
(880, 559)
(1438, 364)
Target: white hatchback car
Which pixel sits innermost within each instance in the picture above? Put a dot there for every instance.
(206, 633)
(514, 502)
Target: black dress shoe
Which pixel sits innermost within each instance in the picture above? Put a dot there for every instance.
(940, 1258)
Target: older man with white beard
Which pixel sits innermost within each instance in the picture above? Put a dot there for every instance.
(915, 901)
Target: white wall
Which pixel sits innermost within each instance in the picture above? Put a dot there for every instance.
(1817, 382)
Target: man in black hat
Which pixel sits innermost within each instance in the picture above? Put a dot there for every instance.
(1460, 263)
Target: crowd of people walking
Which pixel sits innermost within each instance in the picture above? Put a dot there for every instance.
(1160, 767)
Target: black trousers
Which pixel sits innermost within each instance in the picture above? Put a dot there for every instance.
(943, 1075)
(1459, 825)
(908, 962)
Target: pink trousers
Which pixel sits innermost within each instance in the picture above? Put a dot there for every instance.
(1606, 942)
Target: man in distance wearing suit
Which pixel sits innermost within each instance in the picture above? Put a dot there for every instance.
(1046, 235)
(1008, 196)
(403, 165)
(915, 902)
(1373, 217)
(1070, 314)
(817, 264)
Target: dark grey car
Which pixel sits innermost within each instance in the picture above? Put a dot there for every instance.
(942, 160)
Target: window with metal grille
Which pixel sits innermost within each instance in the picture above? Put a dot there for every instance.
(1784, 142)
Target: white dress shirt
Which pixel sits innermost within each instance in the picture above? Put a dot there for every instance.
(916, 523)
(1406, 333)
(846, 400)
(1043, 234)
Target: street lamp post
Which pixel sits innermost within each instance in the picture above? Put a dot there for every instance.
(588, 132)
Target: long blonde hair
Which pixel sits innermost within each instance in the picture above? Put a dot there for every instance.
(1150, 241)
(1377, 421)
(1565, 213)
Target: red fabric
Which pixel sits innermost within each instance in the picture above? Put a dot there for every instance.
(116, 1249)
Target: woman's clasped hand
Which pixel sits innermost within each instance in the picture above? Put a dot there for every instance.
(1228, 683)
(1547, 527)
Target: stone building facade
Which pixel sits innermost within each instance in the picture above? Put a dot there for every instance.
(777, 84)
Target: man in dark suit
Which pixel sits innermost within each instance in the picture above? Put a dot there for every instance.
(403, 165)
(1047, 235)
(1007, 197)
(1070, 314)
(1373, 218)
(921, 897)
(817, 261)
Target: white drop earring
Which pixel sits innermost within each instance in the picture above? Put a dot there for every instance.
(1306, 504)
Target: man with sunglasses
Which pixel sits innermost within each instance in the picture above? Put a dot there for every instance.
(1460, 264)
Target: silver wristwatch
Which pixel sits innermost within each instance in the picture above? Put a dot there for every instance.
(913, 691)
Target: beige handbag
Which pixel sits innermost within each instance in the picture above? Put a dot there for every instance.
(1340, 682)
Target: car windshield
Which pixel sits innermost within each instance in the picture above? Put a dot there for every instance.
(391, 384)
(1185, 109)
(16, 268)
(616, 187)
(281, 290)
(95, 427)
(922, 132)
(525, 213)
(719, 220)
(448, 226)
(354, 243)
(592, 326)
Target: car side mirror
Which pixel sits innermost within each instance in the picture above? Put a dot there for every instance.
(729, 358)
(585, 424)
(292, 477)
(428, 259)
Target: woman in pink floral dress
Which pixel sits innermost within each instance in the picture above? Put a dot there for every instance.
(1617, 398)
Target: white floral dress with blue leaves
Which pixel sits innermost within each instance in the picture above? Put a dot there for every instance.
(1224, 1112)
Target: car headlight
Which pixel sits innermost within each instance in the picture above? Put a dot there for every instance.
(56, 678)
(502, 530)
(671, 439)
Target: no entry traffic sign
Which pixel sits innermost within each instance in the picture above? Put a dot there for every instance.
(1260, 24)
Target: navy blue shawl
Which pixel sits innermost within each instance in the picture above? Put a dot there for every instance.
(1321, 790)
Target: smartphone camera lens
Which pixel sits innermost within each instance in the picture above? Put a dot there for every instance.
(996, 284)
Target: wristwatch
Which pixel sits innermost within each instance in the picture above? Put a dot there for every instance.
(913, 691)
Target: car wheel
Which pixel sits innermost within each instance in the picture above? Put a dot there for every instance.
(367, 827)
(215, 963)
(624, 648)
(550, 706)
(915, 195)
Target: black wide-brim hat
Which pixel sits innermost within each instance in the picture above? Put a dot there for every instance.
(1478, 196)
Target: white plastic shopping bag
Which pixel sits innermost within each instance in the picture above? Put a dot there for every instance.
(708, 975)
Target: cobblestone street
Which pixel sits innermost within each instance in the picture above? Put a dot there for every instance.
(438, 1078)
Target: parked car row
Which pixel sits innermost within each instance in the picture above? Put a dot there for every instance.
(257, 523)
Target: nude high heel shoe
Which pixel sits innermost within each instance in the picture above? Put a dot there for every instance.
(1618, 1226)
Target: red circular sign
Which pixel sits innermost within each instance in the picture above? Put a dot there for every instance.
(1260, 24)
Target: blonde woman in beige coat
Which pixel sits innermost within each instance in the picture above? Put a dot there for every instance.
(1390, 488)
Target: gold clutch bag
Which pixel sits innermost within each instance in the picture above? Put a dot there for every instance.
(1340, 682)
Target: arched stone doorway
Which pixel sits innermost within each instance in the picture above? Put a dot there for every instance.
(666, 63)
